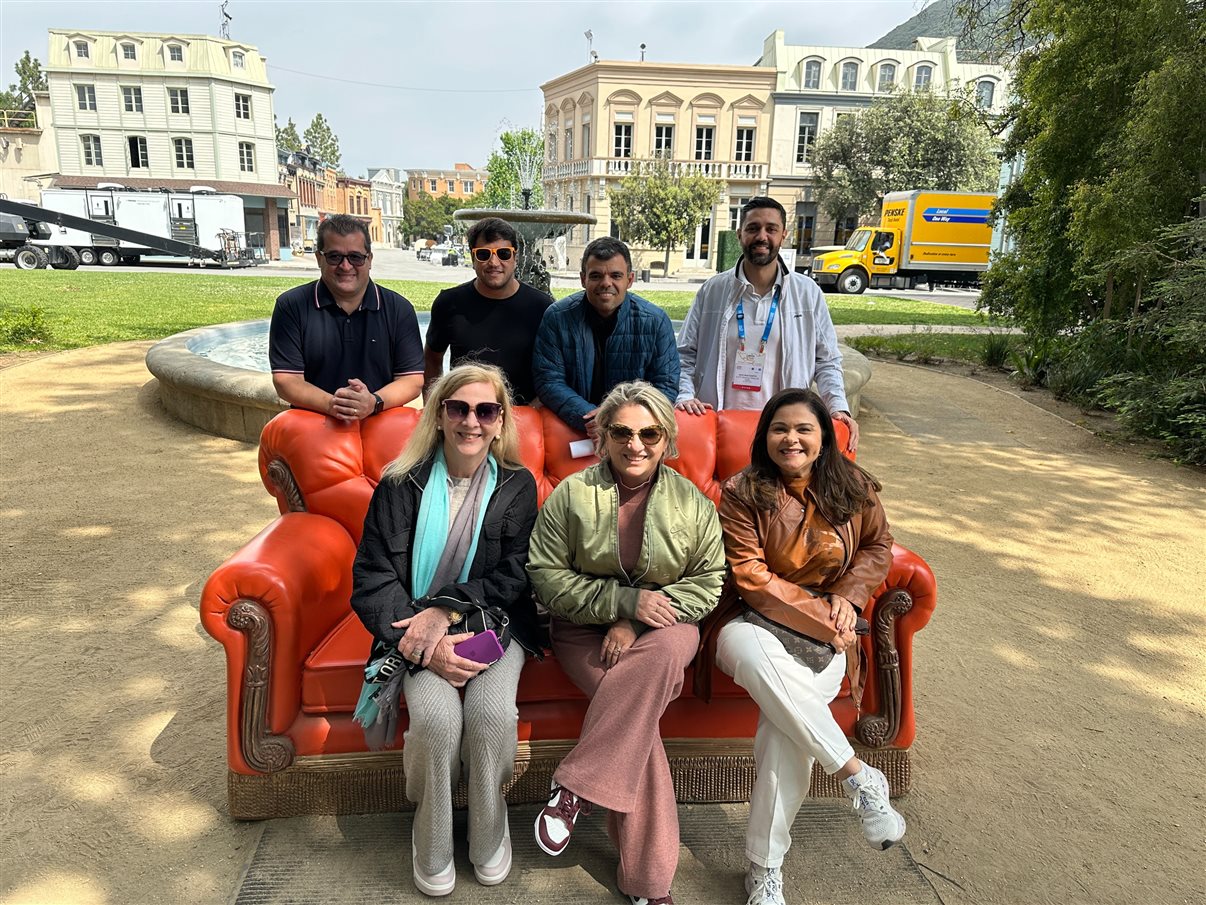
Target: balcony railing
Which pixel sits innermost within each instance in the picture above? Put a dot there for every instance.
(735, 170)
(18, 119)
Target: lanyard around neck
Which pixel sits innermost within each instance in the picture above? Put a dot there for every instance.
(770, 320)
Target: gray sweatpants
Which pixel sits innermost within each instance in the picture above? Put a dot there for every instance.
(443, 734)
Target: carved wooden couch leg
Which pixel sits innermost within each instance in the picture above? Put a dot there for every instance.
(262, 751)
(282, 478)
(879, 729)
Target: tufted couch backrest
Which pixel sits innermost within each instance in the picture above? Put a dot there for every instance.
(316, 464)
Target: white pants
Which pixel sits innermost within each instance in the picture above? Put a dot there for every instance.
(795, 728)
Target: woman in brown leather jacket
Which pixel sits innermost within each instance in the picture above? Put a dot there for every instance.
(807, 541)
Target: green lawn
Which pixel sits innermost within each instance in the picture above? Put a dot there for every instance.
(84, 308)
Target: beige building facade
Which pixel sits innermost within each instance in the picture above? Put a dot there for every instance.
(609, 118)
(27, 153)
(815, 85)
(462, 181)
(160, 111)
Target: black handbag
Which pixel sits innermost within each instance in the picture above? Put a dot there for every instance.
(816, 655)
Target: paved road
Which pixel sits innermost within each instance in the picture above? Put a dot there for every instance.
(401, 264)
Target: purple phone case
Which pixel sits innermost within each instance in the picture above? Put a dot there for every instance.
(481, 648)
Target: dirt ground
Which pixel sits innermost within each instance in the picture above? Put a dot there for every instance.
(1060, 687)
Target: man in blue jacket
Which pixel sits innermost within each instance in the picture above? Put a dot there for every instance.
(592, 340)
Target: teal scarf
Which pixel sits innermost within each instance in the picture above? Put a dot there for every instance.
(431, 531)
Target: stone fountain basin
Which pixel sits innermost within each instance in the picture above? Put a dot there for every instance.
(237, 402)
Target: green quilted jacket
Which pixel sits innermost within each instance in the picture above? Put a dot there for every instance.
(574, 556)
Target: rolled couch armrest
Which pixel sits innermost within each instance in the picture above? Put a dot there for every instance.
(269, 605)
(901, 607)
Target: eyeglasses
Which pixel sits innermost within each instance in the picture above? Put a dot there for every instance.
(650, 436)
(482, 255)
(487, 412)
(334, 258)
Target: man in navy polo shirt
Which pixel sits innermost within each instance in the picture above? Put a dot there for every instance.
(343, 345)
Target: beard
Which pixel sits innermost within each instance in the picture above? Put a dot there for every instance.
(761, 254)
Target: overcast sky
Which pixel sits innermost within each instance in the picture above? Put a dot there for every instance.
(410, 73)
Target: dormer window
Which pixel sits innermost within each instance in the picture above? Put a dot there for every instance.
(984, 94)
(812, 75)
(922, 77)
(128, 51)
(81, 50)
(238, 59)
(850, 76)
(887, 76)
(175, 53)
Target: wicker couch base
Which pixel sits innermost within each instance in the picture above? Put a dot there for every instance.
(704, 770)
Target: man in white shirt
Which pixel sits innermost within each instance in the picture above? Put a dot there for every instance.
(759, 328)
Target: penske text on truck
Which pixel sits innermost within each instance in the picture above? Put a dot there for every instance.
(923, 237)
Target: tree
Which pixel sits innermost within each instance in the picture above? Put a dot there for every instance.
(322, 141)
(661, 205)
(520, 150)
(1107, 165)
(287, 138)
(1107, 220)
(30, 78)
(909, 140)
(426, 216)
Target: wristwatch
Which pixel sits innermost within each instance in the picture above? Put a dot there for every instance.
(380, 406)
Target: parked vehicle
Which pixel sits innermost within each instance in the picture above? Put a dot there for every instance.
(22, 244)
(923, 237)
(199, 217)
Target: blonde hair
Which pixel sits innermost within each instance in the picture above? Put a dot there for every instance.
(646, 395)
(426, 436)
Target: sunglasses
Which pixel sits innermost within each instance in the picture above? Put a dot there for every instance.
(487, 412)
(482, 255)
(334, 258)
(650, 436)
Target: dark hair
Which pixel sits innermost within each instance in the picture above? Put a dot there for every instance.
(760, 202)
(604, 249)
(842, 487)
(343, 225)
(492, 229)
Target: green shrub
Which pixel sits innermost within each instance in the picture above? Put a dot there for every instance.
(24, 326)
(995, 351)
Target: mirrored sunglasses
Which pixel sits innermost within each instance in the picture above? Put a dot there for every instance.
(650, 436)
(487, 412)
(334, 258)
(482, 255)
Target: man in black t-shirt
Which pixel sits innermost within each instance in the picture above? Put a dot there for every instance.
(492, 318)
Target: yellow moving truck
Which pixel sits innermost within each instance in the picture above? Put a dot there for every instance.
(923, 237)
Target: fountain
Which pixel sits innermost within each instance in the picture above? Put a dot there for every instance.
(533, 226)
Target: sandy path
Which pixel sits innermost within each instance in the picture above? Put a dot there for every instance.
(1061, 684)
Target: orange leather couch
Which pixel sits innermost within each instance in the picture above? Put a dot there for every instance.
(295, 652)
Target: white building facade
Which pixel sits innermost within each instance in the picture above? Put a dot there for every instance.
(158, 111)
(815, 85)
(389, 196)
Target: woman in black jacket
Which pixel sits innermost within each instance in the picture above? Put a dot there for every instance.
(441, 561)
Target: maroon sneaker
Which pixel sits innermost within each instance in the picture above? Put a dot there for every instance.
(555, 822)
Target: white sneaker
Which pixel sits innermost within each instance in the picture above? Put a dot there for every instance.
(440, 884)
(498, 867)
(764, 886)
(882, 824)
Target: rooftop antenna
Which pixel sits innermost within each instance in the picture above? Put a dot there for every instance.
(642, 53)
(224, 27)
(590, 44)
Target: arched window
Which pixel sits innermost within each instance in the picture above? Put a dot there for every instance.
(850, 76)
(812, 74)
(984, 93)
(922, 76)
(887, 76)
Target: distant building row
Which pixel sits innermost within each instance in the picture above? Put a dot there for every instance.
(152, 111)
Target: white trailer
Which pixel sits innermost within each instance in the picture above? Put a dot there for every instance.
(200, 217)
